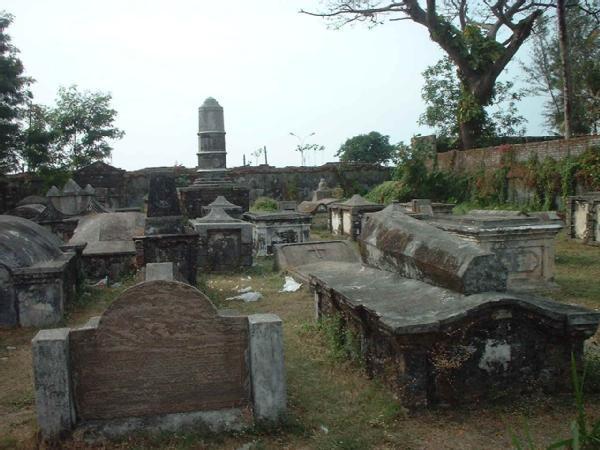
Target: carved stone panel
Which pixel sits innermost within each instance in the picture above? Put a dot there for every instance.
(160, 348)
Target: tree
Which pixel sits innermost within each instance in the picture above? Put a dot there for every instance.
(305, 148)
(13, 96)
(38, 150)
(83, 123)
(442, 93)
(372, 148)
(545, 72)
(479, 37)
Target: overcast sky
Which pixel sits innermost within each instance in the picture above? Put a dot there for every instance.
(273, 70)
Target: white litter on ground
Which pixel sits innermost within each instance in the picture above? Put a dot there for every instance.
(247, 297)
(244, 290)
(290, 285)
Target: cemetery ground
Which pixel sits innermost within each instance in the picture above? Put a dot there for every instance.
(331, 403)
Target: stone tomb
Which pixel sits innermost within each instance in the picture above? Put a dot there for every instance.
(583, 218)
(278, 227)
(345, 218)
(225, 243)
(66, 206)
(429, 315)
(37, 279)
(299, 259)
(161, 358)
(222, 203)
(108, 238)
(167, 237)
(523, 242)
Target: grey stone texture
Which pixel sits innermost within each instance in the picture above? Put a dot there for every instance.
(108, 238)
(224, 204)
(224, 243)
(392, 240)
(299, 259)
(426, 206)
(213, 178)
(37, 279)
(323, 191)
(53, 395)
(180, 249)
(434, 345)
(583, 218)
(269, 391)
(524, 243)
(108, 181)
(162, 197)
(279, 227)
(166, 271)
(161, 358)
(345, 218)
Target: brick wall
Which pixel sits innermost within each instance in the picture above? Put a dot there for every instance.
(492, 157)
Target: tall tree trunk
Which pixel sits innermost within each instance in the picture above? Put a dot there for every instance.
(469, 134)
(563, 40)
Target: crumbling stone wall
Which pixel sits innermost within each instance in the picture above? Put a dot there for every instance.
(129, 189)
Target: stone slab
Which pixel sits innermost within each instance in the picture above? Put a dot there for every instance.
(296, 258)
(160, 348)
(392, 240)
(53, 395)
(267, 367)
(407, 306)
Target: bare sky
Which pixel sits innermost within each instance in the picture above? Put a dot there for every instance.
(273, 70)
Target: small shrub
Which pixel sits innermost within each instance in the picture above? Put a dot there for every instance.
(265, 204)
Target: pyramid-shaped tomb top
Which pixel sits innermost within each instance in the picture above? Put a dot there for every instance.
(71, 187)
(89, 189)
(222, 202)
(217, 215)
(357, 200)
(53, 192)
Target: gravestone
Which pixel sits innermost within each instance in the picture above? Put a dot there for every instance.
(524, 242)
(37, 278)
(429, 314)
(225, 243)
(163, 215)
(345, 218)
(108, 238)
(166, 237)
(278, 227)
(583, 218)
(298, 259)
(394, 241)
(160, 358)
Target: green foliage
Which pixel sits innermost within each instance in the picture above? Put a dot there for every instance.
(417, 176)
(342, 343)
(372, 148)
(83, 123)
(13, 98)
(450, 103)
(545, 76)
(265, 204)
(585, 435)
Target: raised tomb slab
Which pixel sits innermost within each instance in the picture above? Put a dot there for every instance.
(278, 227)
(429, 314)
(524, 243)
